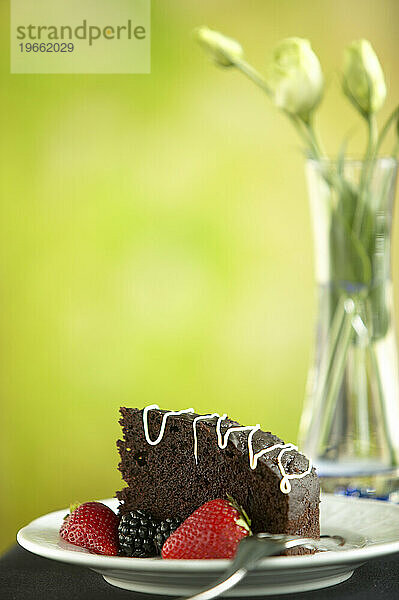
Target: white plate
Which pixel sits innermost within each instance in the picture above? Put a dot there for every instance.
(371, 529)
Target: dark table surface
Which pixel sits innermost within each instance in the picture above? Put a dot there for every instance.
(26, 576)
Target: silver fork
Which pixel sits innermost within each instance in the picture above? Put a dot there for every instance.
(250, 550)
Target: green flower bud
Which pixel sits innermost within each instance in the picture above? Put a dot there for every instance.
(363, 78)
(224, 50)
(295, 77)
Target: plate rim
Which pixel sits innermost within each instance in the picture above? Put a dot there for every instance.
(96, 561)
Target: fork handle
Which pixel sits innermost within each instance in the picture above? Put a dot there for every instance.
(250, 550)
(220, 588)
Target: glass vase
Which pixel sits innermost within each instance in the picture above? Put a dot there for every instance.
(350, 421)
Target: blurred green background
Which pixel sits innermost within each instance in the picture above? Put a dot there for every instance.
(156, 242)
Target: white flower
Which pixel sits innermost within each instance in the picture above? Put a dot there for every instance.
(363, 78)
(224, 50)
(295, 77)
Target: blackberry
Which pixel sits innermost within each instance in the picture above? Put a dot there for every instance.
(164, 529)
(141, 536)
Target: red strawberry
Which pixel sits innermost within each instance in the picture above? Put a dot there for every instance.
(212, 531)
(94, 526)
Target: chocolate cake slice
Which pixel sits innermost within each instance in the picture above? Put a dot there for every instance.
(173, 462)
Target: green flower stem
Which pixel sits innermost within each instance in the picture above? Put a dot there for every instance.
(331, 343)
(252, 74)
(307, 136)
(304, 130)
(337, 369)
(394, 116)
(359, 396)
(358, 386)
(387, 437)
(333, 362)
(319, 152)
(372, 136)
(367, 172)
(307, 132)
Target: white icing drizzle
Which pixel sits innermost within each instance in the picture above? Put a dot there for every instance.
(223, 439)
(163, 424)
(285, 485)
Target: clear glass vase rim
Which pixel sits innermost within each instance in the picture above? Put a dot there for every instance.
(356, 162)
